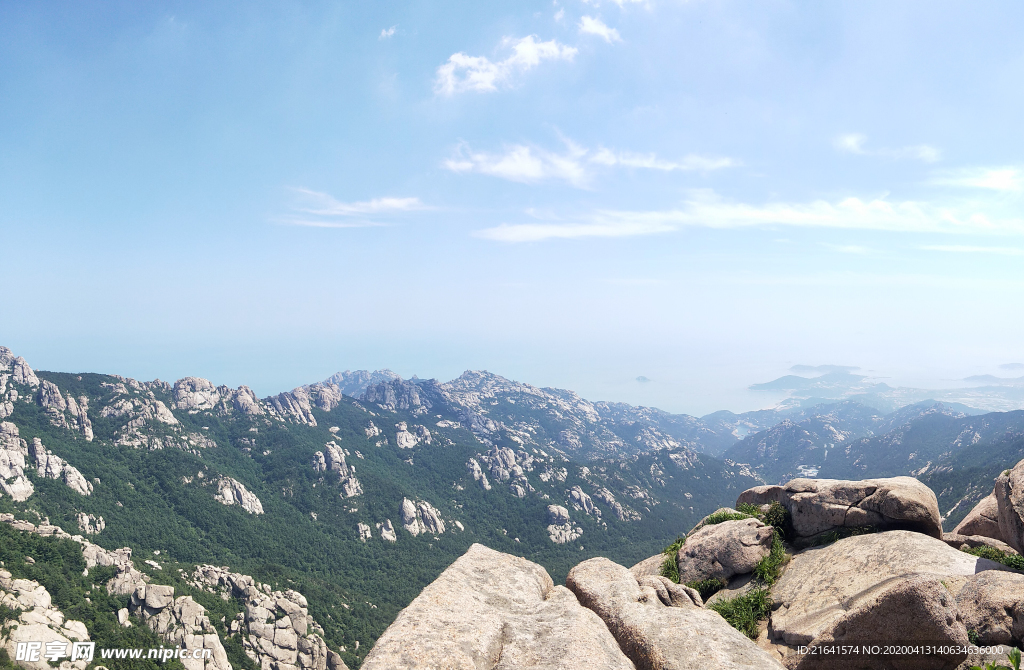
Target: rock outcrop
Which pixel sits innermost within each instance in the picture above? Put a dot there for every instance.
(817, 506)
(332, 458)
(281, 635)
(992, 605)
(421, 517)
(89, 524)
(396, 394)
(722, 550)
(38, 621)
(982, 520)
(233, 492)
(491, 610)
(477, 473)
(13, 452)
(54, 467)
(510, 466)
(581, 501)
(1009, 492)
(823, 587)
(662, 628)
(181, 622)
(194, 394)
(387, 531)
(560, 526)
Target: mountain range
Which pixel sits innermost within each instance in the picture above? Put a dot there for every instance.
(360, 489)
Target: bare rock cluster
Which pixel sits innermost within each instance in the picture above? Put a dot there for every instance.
(38, 621)
(421, 517)
(181, 622)
(233, 492)
(561, 529)
(332, 459)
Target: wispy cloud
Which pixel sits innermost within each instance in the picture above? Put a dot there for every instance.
(849, 248)
(854, 143)
(1007, 179)
(535, 232)
(387, 32)
(707, 209)
(590, 25)
(478, 73)
(523, 163)
(652, 162)
(963, 249)
(320, 210)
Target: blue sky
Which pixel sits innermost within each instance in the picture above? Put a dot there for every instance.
(571, 194)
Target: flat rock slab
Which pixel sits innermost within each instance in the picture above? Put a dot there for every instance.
(659, 636)
(496, 611)
(822, 585)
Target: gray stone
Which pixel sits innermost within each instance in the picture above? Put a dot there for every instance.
(820, 586)
(982, 520)
(1009, 492)
(975, 541)
(649, 566)
(233, 492)
(159, 596)
(819, 505)
(722, 550)
(992, 604)
(495, 611)
(660, 635)
(913, 610)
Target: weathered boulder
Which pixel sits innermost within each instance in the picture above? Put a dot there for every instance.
(661, 631)
(915, 610)
(820, 505)
(181, 622)
(648, 567)
(992, 605)
(493, 610)
(1009, 492)
(421, 517)
(724, 549)
(982, 520)
(822, 586)
(975, 541)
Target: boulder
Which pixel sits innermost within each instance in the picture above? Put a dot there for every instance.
(493, 610)
(817, 506)
(992, 605)
(975, 541)
(724, 549)
(822, 586)
(661, 632)
(648, 566)
(982, 520)
(1009, 492)
(916, 610)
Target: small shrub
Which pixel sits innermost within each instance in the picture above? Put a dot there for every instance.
(778, 517)
(973, 637)
(1013, 656)
(768, 568)
(669, 567)
(744, 613)
(722, 517)
(1015, 561)
(749, 508)
(707, 587)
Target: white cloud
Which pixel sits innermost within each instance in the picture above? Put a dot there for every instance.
(853, 143)
(1010, 179)
(706, 209)
(478, 73)
(960, 249)
(559, 15)
(523, 163)
(535, 232)
(387, 32)
(594, 26)
(650, 161)
(321, 210)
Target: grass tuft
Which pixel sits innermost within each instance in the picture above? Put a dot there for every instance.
(1015, 561)
(745, 612)
(669, 567)
(722, 517)
(842, 534)
(768, 568)
(707, 587)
